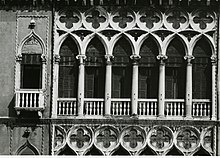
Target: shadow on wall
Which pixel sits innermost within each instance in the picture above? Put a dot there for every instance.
(23, 114)
(11, 109)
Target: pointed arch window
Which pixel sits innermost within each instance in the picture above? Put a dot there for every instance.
(95, 70)
(202, 70)
(31, 74)
(175, 73)
(68, 70)
(148, 70)
(122, 70)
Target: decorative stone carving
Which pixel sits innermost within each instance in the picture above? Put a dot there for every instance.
(106, 139)
(187, 139)
(123, 19)
(80, 139)
(133, 139)
(59, 138)
(203, 20)
(32, 46)
(149, 18)
(96, 18)
(69, 19)
(176, 19)
(207, 139)
(160, 139)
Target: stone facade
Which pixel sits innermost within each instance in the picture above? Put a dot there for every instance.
(100, 77)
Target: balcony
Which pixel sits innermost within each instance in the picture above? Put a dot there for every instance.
(29, 100)
(174, 107)
(146, 108)
(201, 108)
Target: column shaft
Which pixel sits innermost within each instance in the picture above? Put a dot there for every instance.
(108, 87)
(134, 94)
(161, 91)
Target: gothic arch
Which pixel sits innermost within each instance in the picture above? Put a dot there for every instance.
(147, 37)
(62, 39)
(29, 36)
(207, 39)
(26, 149)
(172, 38)
(124, 37)
(100, 38)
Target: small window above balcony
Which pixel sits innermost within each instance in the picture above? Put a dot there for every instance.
(30, 76)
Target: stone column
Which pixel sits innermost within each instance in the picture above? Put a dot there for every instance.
(161, 87)
(214, 95)
(188, 96)
(80, 96)
(56, 60)
(108, 84)
(134, 93)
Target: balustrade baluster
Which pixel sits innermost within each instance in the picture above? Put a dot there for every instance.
(63, 108)
(74, 108)
(26, 97)
(67, 108)
(151, 111)
(209, 109)
(71, 108)
(35, 100)
(98, 108)
(205, 110)
(23, 100)
(91, 108)
(102, 107)
(175, 108)
(18, 99)
(197, 109)
(178, 109)
(116, 108)
(128, 111)
(30, 100)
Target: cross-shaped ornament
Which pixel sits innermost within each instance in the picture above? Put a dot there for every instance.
(187, 139)
(80, 138)
(106, 138)
(133, 138)
(96, 19)
(122, 19)
(160, 138)
(203, 19)
(176, 19)
(150, 18)
(69, 19)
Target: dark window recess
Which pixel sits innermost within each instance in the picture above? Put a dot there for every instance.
(121, 82)
(68, 70)
(202, 71)
(94, 82)
(31, 71)
(175, 83)
(148, 82)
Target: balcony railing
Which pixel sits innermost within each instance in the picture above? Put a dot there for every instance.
(120, 106)
(66, 106)
(147, 107)
(174, 107)
(201, 107)
(29, 100)
(93, 106)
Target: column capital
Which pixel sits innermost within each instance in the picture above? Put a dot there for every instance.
(135, 58)
(213, 59)
(162, 58)
(81, 58)
(109, 59)
(189, 58)
(43, 58)
(18, 57)
(56, 58)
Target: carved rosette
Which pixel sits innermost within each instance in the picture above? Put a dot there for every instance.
(176, 19)
(59, 138)
(133, 139)
(96, 18)
(160, 139)
(80, 139)
(149, 19)
(207, 140)
(187, 139)
(122, 19)
(68, 19)
(203, 20)
(106, 139)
